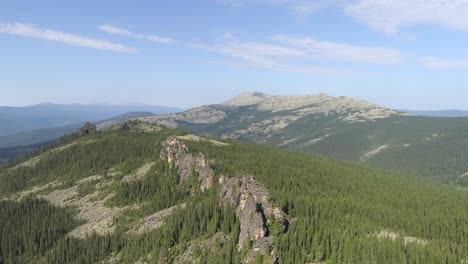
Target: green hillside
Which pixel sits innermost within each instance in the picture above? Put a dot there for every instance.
(116, 197)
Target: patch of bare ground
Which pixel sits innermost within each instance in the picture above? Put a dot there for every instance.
(34, 190)
(373, 152)
(97, 218)
(315, 140)
(139, 174)
(195, 138)
(394, 236)
(288, 141)
(155, 220)
(266, 127)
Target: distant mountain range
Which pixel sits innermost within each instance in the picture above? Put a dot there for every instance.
(46, 115)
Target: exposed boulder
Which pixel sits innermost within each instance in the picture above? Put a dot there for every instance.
(87, 129)
(177, 153)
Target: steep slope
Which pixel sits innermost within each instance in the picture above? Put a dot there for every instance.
(144, 194)
(338, 127)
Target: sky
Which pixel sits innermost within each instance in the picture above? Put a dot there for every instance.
(396, 53)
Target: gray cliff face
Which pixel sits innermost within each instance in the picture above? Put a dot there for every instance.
(256, 212)
(259, 218)
(177, 153)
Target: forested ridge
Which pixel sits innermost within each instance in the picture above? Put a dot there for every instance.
(338, 212)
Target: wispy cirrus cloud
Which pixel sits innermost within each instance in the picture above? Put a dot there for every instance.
(125, 32)
(299, 8)
(343, 52)
(390, 15)
(32, 31)
(291, 54)
(439, 63)
(387, 16)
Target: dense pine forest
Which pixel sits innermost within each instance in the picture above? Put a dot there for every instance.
(337, 212)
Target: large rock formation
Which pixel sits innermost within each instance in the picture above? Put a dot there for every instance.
(259, 218)
(177, 153)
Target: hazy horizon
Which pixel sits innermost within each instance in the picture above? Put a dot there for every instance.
(136, 104)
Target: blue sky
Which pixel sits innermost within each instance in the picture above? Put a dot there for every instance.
(400, 54)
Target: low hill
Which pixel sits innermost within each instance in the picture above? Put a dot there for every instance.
(17, 145)
(46, 115)
(144, 193)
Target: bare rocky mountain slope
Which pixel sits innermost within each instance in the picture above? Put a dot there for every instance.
(339, 127)
(282, 110)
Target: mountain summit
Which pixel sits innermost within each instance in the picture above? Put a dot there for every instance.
(247, 99)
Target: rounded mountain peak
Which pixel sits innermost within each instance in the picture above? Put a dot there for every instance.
(249, 98)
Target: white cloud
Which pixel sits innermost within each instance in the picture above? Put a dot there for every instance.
(162, 40)
(299, 8)
(343, 52)
(438, 63)
(125, 32)
(269, 56)
(252, 52)
(32, 31)
(115, 30)
(389, 16)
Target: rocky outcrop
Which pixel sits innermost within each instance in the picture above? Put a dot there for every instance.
(177, 153)
(88, 129)
(259, 218)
